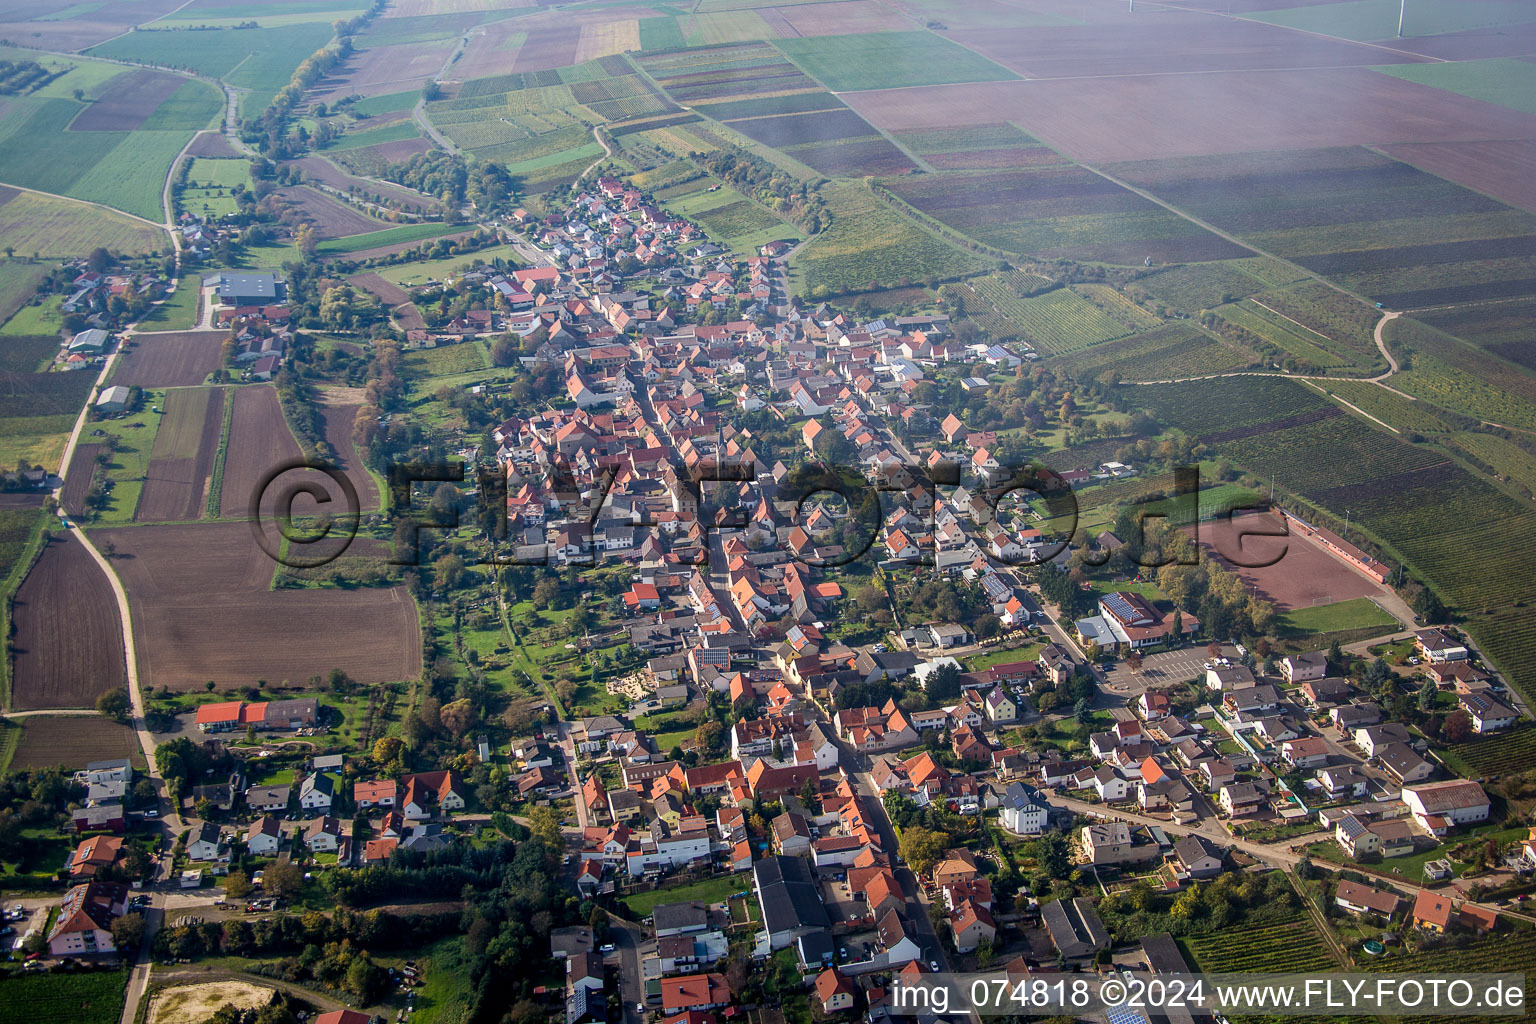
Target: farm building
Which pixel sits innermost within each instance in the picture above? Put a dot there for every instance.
(249, 289)
(90, 343)
(113, 399)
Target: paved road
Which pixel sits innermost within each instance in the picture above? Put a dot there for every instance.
(628, 937)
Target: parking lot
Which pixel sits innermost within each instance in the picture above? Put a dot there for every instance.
(1163, 669)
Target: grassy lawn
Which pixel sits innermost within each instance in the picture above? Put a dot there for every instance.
(1411, 868)
(1359, 613)
(446, 989)
(130, 463)
(43, 318)
(711, 890)
(179, 311)
(1002, 656)
(422, 271)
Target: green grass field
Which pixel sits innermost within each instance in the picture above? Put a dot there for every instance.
(53, 227)
(1366, 20)
(419, 272)
(1507, 82)
(1359, 613)
(436, 362)
(405, 129)
(258, 59)
(179, 311)
(886, 60)
(731, 219)
(18, 282)
(713, 890)
(388, 236)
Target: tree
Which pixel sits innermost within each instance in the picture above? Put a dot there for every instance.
(365, 979)
(1457, 727)
(128, 931)
(943, 684)
(504, 351)
(387, 751)
(922, 847)
(237, 885)
(544, 823)
(1082, 711)
(458, 717)
(283, 879)
(116, 705)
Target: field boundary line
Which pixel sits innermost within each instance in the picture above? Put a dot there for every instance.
(88, 202)
(1293, 320)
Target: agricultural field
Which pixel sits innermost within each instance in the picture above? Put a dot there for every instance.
(1508, 752)
(259, 442)
(320, 169)
(18, 283)
(93, 998)
(260, 60)
(1461, 377)
(170, 359)
(1193, 287)
(730, 219)
(1365, 20)
(1058, 322)
(1293, 946)
(209, 188)
(834, 141)
(886, 60)
(405, 234)
(399, 131)
(1273, 328)
(176, 483)
(330, 217)
(55, 227)
(339, 416)
(1507, 82)
(978, 147)
(203, 609)
(58, 668)
(1502, 457)
(1502, 328)
(114, 145)
(869, 245)
(1391, 408)
(1162, 353)
(1381, 228)
(1048, 212)
(717, 73)
(74, 741)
